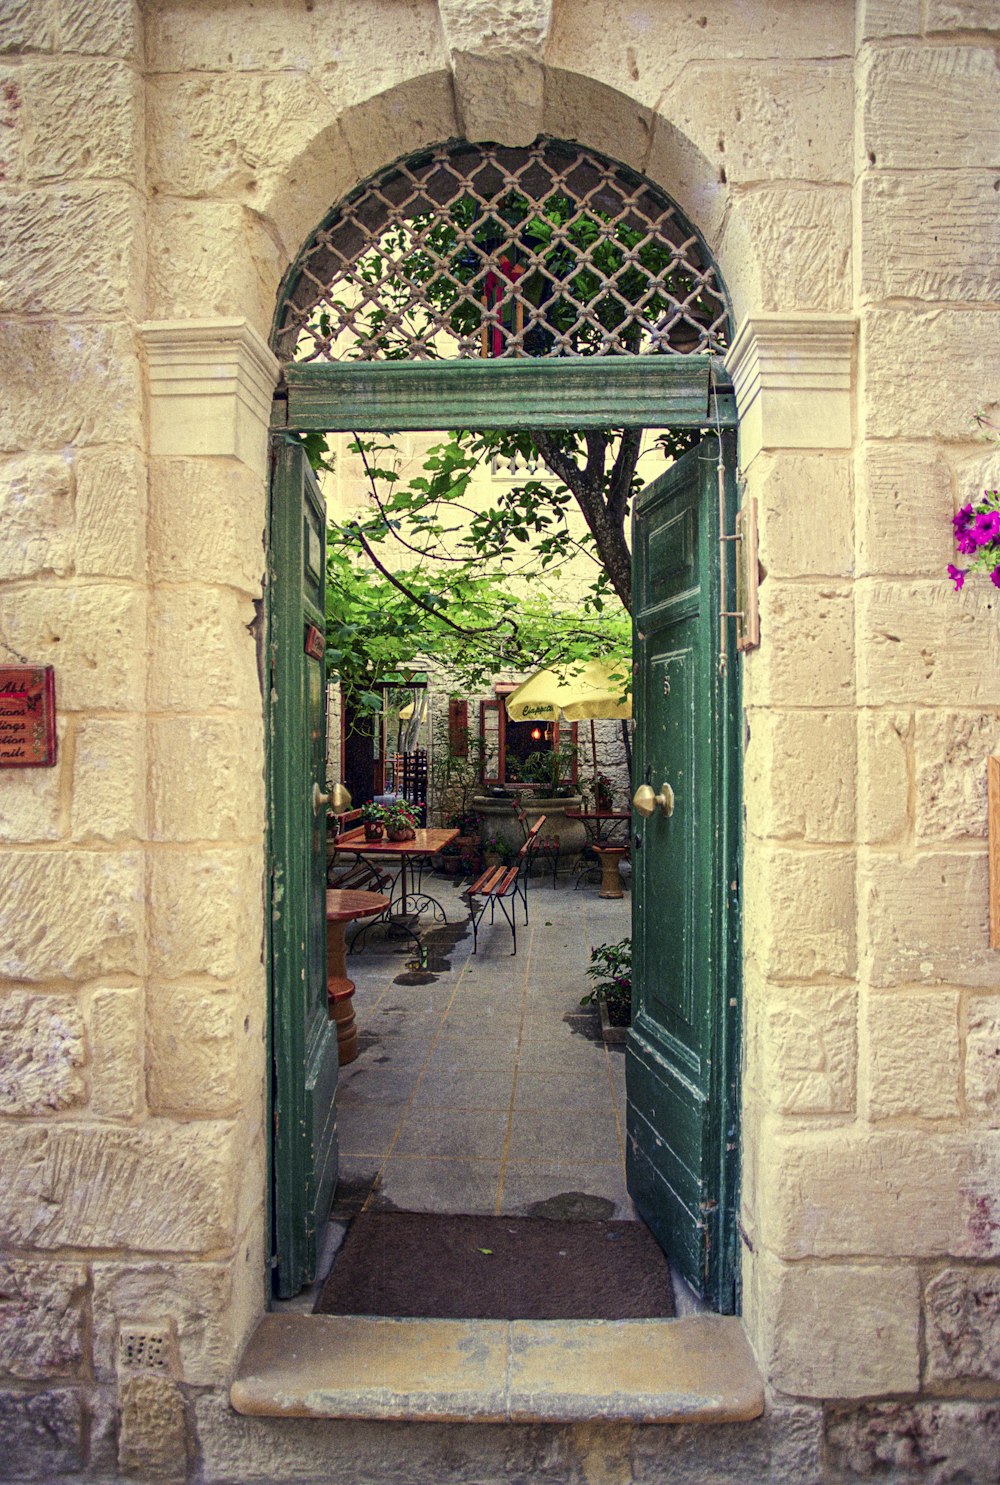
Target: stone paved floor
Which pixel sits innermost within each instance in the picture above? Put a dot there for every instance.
(481, 1084)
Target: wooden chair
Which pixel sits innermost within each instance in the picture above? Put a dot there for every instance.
(350, 869)
(545, 846)
(503, 885)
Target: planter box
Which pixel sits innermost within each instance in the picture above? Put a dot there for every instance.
(614, 1036)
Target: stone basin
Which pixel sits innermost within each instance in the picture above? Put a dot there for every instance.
(499, 820)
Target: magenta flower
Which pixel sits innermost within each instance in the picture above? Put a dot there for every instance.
(966, 544)
(995, 577)
(957, 575)
(987, 527)
(962, 519)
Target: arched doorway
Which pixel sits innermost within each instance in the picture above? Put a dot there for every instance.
(544, 287)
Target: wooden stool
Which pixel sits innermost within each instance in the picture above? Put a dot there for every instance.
(611, 878)
(343, 905)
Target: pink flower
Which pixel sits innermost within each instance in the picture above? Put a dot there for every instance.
(987, 527)
(957, 575)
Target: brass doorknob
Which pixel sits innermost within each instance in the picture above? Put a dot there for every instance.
(645, 800)
(319, 799)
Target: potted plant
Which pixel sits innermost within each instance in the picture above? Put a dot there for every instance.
(604, 798)
(551, 771)
(497, 851)
(611, 968)
(373, 820)
(449, 859)
(400, 821)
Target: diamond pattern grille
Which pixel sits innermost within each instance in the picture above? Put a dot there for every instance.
(478, 250)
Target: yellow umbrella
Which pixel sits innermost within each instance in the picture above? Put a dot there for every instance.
(577, 691)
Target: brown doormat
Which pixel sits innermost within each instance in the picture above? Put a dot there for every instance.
(497, 1268)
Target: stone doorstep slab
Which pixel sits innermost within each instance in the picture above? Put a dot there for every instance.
(697, 1369)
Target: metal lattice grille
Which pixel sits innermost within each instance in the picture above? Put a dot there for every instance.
(478, 250)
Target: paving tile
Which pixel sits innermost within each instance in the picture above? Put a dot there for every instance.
(417, 1000)
(490, 1028)
(556, 1024)
(547, 1090)
(459, 1134)
(411, 1184)
(528, 1183)
(368, 1128)
(464, 1088)
(356, 1175)
(388, 1083)
(563, 1054)
(473, 1051)
(559, 1134)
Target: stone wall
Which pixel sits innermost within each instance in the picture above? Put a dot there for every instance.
(158, 172)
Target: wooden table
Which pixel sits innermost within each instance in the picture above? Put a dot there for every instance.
(344, 906)
(404, 899)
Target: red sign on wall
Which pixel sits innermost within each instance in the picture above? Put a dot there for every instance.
(27, 716)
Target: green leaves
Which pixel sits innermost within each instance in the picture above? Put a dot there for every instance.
(460, 565)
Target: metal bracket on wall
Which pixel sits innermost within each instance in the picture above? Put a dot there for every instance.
(747, 578)
(747, 610)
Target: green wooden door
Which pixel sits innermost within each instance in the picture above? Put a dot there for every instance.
(681, 1057)
(304, 1041)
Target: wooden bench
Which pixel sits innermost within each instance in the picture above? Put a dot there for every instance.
(502, 884)
(353, 870)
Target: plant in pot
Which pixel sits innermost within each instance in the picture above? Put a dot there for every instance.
(604, 798)
(449, 859)
(400, 821)
(373, 820)
(551, 771)
(497, 851)
(466, 822)
(611, 969)
(466, 845)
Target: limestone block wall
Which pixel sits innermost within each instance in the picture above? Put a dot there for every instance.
(872, 1177)
(131, 981)
(160, 167)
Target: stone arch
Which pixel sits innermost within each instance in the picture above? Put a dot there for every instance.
(420, 251)
(423, 111)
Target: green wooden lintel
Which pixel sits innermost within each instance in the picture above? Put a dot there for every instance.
(592, 392)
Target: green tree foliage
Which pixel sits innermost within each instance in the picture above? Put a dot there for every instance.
(424, 573)
(472, 591)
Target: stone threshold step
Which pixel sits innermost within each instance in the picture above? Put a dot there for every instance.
(697, 1369)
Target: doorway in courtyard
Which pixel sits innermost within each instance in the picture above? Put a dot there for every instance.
(598, 340)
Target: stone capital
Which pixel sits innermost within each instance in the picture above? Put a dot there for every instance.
(793, 376)
(210, 388)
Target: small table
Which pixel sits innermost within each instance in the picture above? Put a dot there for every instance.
(601, 826)
(406, 900)
(344, 906)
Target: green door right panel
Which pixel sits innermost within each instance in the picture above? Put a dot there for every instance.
(681, 1056)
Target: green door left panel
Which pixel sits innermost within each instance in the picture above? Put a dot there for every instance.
(304, 1041)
